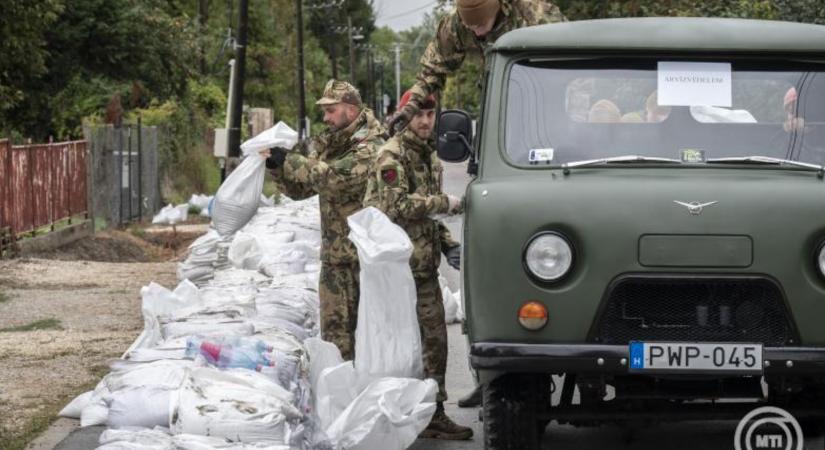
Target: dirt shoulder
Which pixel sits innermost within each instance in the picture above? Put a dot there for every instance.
(62, 319)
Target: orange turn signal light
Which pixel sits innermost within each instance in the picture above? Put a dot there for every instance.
(532, 315)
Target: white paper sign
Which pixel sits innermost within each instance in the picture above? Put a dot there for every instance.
(695, 84)
(541, 155)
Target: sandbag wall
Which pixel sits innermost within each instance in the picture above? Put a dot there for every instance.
(243, 298)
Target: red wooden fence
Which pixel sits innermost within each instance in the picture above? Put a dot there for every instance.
(41, 184)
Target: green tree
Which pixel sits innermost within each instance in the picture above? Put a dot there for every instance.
(23, 52)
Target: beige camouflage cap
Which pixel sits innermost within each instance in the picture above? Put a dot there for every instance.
(337, 91)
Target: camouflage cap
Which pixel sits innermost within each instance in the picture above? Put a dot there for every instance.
(337, 91)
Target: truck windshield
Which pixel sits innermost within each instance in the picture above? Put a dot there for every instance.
(692, 111)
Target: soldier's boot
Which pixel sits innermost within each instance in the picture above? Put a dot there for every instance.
(471, 400)
(442, 427)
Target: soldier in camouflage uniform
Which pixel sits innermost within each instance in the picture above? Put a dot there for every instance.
(334, 165)
(405, 183)
(469, 30)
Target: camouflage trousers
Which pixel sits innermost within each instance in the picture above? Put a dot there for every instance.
(433, 326)
(338, 292)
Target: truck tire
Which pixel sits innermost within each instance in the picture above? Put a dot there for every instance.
(510, 413)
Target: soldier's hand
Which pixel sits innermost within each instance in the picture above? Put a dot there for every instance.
(453, 255)
(456, 204)
(276, 158)
(402, 117)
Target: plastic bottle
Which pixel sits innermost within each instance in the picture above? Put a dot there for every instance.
(242, 356)
(230, 352)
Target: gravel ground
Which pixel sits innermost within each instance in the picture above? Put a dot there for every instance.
(94, 314)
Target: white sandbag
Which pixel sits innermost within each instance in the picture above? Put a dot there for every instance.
(95, 413)
(307, 280)
(281, 135)
(453, 312)
(170, 215)
(288, 259)
(75, 407)
(195, 442)
(177, 329)
(165, 374)
(296, 305)
(717, 114)
(200, 201)
(157, 301)
(237, 199)
(135, 439)
(388, 415)
(387, 338)
(234, 277)
(322, 354)
(245, 252)
(267, 202)
(239, 294)
(146, 407)
(238, 405)
(335, 389)
(155, 354)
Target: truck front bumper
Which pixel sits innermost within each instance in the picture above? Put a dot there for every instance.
(613, 359)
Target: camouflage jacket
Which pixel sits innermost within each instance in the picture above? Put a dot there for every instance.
(405, 183)
(453, 41)
(334, 165)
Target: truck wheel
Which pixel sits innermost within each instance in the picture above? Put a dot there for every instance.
(510, 413)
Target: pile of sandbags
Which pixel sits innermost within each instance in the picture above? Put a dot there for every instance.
(171, 215)
(229, 359)
(201, 202)
(207, 255)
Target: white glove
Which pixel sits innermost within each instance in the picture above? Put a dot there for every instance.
(455, 204)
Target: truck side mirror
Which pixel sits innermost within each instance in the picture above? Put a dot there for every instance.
(454, 136)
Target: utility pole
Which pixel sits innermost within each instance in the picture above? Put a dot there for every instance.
(302, 113)
(351, 51)
(370, 78)
(239, 69)
(397, 73)
(203, 17)
(334, 51)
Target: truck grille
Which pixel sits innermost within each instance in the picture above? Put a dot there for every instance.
(694, 309)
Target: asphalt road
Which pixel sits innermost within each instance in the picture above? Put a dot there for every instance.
(706, 435)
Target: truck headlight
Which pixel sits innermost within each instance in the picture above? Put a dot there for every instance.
(820, 259)
(549, 257)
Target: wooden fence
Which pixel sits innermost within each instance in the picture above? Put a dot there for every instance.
(41, 184)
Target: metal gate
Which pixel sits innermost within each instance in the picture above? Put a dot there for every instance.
(129, 165)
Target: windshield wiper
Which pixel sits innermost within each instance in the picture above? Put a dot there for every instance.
(768, 160)
(618, 159)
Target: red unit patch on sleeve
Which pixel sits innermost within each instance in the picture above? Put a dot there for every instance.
(390, 176)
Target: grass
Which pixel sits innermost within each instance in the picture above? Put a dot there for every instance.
(137, 230)
(4, 297)
(45, 324)
(58, 225)
(40, 422)
(100, 224)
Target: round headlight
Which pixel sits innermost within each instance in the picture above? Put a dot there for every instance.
(549, 256)
(820, 259)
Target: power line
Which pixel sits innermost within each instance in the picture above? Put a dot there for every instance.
(395, 16)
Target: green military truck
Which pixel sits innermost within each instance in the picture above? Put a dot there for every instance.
(644, 237)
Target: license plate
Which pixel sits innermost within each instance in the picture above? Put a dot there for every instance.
(695, 357)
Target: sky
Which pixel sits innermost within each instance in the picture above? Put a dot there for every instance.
(401, 14)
